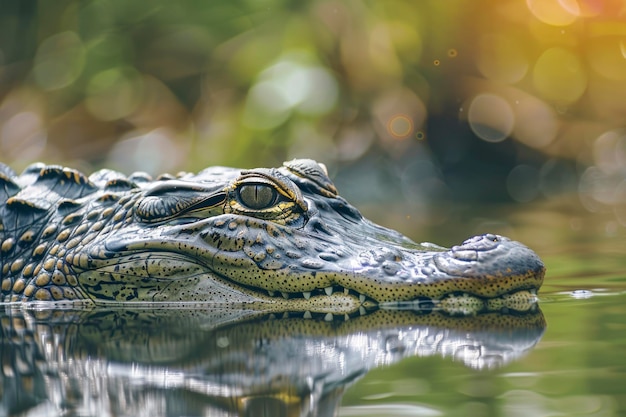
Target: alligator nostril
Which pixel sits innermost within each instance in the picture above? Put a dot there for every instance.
(492, 237)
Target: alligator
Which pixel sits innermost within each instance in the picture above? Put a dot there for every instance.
(275, 239)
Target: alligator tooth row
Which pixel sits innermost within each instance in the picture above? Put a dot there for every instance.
(331, 317)
(330, 290)
(327, 317)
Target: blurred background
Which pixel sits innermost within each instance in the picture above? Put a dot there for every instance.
(438, 118)
(411, 102)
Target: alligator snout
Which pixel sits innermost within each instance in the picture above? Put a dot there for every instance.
(485, 266)
(491, 257)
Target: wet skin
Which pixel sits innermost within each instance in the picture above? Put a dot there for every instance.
(278, 239)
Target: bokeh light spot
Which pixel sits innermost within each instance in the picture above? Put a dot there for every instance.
(114, 93)
(571, 6)
(501, 58)
(522, 183)
(382, 53)
(322, 92)
(596, 189)
(266, 106)
(554, 12)
(609, 152)
(23, 136)
(607, 57)
(400, 126)
(398, 114)
(436, 62)
(291, 84)
(59, 61)
(154, 152)
(491, 117)
(536, 123)
(406, 39)
(557, 177)
(420, 135)
(452, 53)
(559, 76)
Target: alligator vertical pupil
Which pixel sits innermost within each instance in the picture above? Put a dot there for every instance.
(257, 196)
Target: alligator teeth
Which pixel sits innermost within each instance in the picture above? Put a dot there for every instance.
(328, 290)
(307, 315)
(285, 295)
(346, 317)
(328, 317)
(362, 310)
(361, 298)
(346, 291)
(271, 293)
(306, 295)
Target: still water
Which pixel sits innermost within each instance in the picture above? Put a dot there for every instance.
(566, 358)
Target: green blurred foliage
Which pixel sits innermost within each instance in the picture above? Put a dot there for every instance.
(115, 69)
(453, 94)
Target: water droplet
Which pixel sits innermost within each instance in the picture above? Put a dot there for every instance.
(581, 294)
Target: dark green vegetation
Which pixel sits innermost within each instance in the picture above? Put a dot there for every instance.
(278, 239)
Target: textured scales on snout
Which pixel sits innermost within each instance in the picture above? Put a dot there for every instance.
(280, 239)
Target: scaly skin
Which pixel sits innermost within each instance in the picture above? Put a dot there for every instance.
(274, 239)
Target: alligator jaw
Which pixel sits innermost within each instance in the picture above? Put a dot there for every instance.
(330, 303)
(345, 304)
(484, 273)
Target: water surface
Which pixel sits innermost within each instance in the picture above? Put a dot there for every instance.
(564, 358)
(576, 368)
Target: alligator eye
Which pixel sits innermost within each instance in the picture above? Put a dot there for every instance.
(257, 196)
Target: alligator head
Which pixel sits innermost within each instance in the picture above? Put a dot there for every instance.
(278, 239)
(284, 240)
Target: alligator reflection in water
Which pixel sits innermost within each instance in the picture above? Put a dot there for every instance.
(192, 361)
